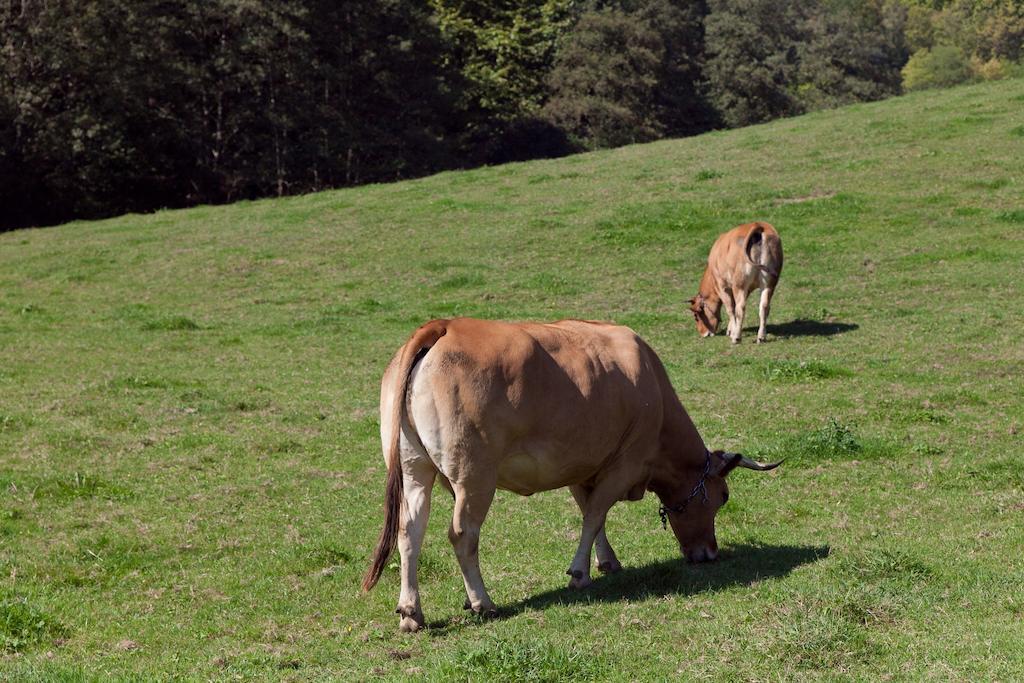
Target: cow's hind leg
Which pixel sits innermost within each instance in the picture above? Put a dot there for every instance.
(418, 478)
(766, 302)
(730, 309)
(607, 562)
(740, 300)
(471, 506)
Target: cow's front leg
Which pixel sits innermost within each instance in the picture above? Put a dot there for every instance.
(607, 562)
(600, 500)
(417, 480)
(471, 506)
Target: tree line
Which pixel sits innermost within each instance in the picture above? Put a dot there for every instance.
(132, 105)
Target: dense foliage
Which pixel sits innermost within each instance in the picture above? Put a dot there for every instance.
(604, 80)
(131, 105)
(771, 58)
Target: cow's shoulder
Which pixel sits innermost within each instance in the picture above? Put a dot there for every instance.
(608, 344)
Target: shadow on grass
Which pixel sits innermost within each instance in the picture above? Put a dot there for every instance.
(738, 565)
(801, 327)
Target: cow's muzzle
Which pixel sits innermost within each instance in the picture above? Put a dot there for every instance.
(700, 554)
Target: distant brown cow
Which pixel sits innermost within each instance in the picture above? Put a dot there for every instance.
(746, 258)
(529, 407)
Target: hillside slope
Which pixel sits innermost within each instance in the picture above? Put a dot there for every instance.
(191, 473)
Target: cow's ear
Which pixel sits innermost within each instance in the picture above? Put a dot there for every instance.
(732, 460)
(723, 463)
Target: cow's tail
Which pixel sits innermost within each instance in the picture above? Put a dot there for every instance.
(421, 340)
(756, 242)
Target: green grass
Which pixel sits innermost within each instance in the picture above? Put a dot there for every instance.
(190, 473)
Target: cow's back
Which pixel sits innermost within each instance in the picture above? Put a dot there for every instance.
(730, 266)
(544, 405)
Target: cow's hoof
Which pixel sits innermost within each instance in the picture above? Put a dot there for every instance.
(485, 611)
(412, 619)
(579, 584)
(609, 567)
(409, 625)
(579, 579)
(762, 340)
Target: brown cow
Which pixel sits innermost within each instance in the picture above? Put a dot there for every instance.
(530, 407)
(745, 258)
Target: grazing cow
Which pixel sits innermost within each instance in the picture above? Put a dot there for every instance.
(529, 407)
(745, 258)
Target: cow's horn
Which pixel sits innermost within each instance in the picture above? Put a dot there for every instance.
(753, 464)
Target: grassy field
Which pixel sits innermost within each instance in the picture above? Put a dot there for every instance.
(190, 471)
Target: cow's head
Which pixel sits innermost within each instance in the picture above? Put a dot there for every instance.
(705, 313)
(694, 506)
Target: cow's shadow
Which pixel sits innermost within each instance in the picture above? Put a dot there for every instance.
(802, 327)
(738, 565)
